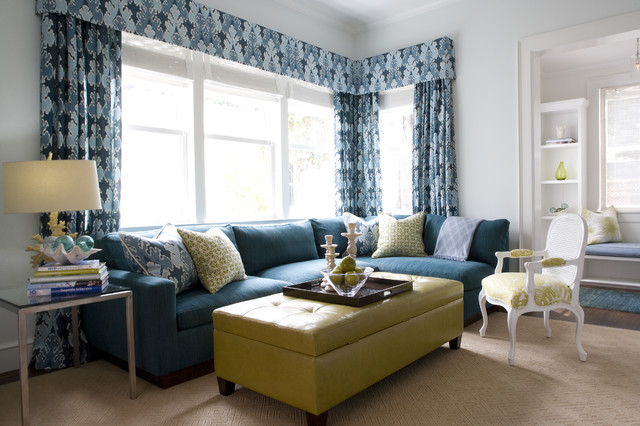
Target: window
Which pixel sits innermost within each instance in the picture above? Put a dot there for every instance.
(311, 167)
(207, 140)
(620, 149)
(240, 140)
(396, 134)
(156, 128)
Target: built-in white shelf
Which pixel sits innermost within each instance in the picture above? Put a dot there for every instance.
(570, 115)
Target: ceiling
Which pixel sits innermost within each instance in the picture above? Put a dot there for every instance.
(357, 16)
(616, 51)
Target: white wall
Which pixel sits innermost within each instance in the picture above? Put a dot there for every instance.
(19, 141)
(485, 34)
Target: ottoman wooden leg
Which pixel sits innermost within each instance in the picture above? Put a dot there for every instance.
(226, 387)
(317, 419)
(455, 343)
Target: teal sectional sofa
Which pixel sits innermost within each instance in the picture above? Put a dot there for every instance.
(173, 333)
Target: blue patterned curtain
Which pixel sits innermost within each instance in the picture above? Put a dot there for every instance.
(357, 154)
(80, 119)
(435, 186)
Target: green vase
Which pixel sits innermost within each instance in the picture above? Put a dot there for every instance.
(561, 172)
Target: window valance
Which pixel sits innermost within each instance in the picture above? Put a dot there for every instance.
(195, 26)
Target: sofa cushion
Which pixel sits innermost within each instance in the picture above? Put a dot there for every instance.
(162, 256)
(366, 243)
(216, 258)
(400, 237)
(264, 246)
(455, 238)
(470, 272)
(329, 226)
(490, 236)
(194, 306)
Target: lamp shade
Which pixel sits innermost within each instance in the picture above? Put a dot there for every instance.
(50, 185)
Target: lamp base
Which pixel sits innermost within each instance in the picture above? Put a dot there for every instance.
(57, 229)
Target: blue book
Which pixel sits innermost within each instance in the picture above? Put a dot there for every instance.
(60, 291)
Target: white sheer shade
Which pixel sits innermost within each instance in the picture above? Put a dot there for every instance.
(51, 185)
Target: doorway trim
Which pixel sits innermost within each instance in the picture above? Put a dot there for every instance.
(530, 49)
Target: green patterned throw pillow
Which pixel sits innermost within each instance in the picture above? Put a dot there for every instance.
(602, 227)
(400, 237)
(216, 258)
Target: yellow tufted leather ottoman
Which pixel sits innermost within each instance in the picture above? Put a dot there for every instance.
(313, 355)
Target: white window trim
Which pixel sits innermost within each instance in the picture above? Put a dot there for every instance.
(202, 69)
(596, 127)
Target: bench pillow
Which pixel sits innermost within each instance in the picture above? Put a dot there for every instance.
(264, 246)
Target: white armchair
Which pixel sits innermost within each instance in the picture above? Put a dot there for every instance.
(550, 283)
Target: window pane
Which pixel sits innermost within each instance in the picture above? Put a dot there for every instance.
(238, 115)
(156, 116)
(622, 147)
(150, 100)
(238, 181)
(311, 142)
(153, 176)
(396, 130)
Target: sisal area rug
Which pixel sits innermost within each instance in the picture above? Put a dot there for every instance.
(471, 386)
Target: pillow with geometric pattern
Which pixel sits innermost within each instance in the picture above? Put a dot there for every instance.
(400, 237)
(602, 227)
(217, 260)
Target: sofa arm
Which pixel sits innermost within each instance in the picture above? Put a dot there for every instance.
(154, 320)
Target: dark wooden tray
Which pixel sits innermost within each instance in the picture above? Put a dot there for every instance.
(373, 290)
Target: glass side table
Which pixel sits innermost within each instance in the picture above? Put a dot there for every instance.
(16, 300)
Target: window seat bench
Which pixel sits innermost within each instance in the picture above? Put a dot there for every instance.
(613, 265)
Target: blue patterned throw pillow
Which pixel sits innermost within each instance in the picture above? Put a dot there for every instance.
(366, 243)
(164, 256)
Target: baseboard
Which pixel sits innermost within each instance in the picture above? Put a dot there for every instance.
(165, 381)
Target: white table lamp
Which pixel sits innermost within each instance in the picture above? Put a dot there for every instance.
(50, 186)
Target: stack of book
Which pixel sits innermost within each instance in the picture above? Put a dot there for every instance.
(53, 279)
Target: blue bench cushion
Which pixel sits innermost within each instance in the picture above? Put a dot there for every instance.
(264, 246)
(195, 306)
(470, 272)
(614, 249)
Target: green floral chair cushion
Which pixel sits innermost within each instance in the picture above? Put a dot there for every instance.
(509, 288)
(602, 227)
(216, 258)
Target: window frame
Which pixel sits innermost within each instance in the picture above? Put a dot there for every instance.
(201, 69)
(392, 100)
(602, 149)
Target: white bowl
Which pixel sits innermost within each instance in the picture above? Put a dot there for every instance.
(64, 258)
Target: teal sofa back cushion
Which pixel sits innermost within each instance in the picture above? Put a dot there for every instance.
(329, 226)
(264, 246)
(490, 236)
